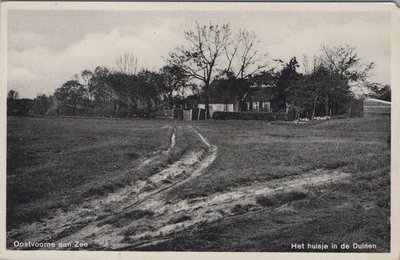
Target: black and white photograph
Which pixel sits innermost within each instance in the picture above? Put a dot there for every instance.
(198, 127)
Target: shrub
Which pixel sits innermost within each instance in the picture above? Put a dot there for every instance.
(219, 115)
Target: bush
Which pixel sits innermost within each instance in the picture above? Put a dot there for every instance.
(291, 114)
(122, 113)
(246, 116)
(178, 113)
(41, 105)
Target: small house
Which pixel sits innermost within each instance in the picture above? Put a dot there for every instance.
(259, 99)
(373, 107)
(222, 97)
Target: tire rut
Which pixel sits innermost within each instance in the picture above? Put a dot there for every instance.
(85, 223)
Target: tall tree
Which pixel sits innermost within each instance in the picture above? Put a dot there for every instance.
(41, 104)
(244, 60)
(72, 93)
(346, 69)
(316, 83)
(87, 75)
(100, 89)
(140, 93)
(202, 56)
(125, 89)
(344, 61)
(380, 91)
(299, 97)
(244, 55)
(287, 77)
(174, 80)
(149, 89)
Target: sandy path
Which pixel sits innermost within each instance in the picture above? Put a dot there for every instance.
(98, 221)
(219, 205)
(84, 222)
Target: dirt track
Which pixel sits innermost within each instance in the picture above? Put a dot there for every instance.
(98, 221)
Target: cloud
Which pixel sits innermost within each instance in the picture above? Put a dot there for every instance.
(23, 81)
(43, 70)
(371, 40)
(26, 40)
(38, 63)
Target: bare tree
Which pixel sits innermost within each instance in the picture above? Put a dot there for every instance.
(306, 63)
(202, 56)
(87, 75)
(244, 59)
(346, 68)
(344, 61)
(244, 55)
(127, 63)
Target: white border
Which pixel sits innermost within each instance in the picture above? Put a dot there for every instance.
(221, 6)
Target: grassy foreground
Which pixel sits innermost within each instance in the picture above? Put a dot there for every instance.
(56, 163)
(354, 211)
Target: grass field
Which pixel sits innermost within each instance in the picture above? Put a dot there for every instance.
(55, 162)
(58, 163)
(256, 151)
(355, 211)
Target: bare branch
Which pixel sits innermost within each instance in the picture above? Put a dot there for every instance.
(127, 63)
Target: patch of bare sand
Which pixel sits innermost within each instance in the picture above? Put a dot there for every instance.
(86, 223)
(95, 221)
(209, 209)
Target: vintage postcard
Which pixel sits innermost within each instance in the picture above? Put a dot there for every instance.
(202, 130)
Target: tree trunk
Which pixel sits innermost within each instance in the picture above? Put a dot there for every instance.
(74, 108)
(315, 104)
(207, 101)
(326, 105)
(130, 114)
(171, 99)
(207, 106)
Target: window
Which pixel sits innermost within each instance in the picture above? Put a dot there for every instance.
(255, 106)
(267, 106)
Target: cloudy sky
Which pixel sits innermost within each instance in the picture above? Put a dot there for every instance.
(45, 48)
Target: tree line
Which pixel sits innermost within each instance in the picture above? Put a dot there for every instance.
(213, 52)
(138, 92)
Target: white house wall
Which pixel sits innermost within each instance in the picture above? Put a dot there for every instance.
(214, 107)
(262, 106)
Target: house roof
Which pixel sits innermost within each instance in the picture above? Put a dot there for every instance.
(384, 102)
(226, 92)
(222, 91)
(259, 94)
